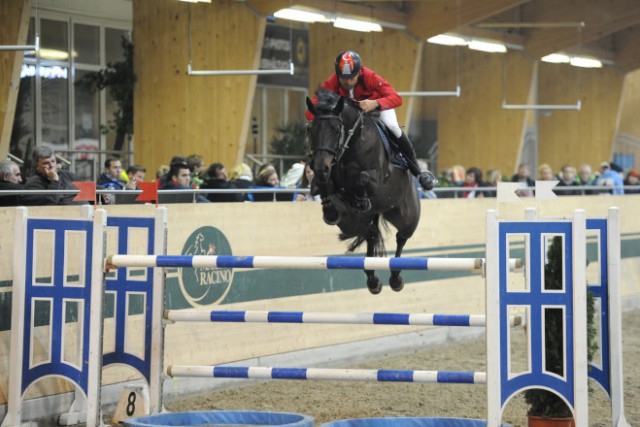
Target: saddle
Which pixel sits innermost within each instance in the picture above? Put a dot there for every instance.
(395, 157)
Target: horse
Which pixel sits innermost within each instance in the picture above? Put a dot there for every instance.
(354, 175)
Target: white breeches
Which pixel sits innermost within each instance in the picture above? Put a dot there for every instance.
(388, 117)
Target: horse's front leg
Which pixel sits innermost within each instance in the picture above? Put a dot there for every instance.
(396, 282)
(373, 283)
(362, 202)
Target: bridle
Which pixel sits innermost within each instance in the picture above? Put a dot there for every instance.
(343, 143)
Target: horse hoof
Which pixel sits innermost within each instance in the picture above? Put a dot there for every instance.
(330, 214)
(396, 283)
(374, 285)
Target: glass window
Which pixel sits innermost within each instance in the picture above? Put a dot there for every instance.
(86, 44)
(55, 106)
(113, 44)
(54, 40)
(24, 123)
(275, 113)
(87, 109)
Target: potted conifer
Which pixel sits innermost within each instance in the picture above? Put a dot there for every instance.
(545, 407)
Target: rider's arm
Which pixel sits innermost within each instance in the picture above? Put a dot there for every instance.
(387, 96)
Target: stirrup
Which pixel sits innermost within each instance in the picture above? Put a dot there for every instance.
(427, 180)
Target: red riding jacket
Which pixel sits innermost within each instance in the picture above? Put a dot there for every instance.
(369, 86)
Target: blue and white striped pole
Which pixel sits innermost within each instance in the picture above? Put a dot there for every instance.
(315, 263)
(418, 319)
(382, 375)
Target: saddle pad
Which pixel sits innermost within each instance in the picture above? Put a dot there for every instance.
(395, 157)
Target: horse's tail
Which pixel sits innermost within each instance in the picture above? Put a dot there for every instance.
(371, 233)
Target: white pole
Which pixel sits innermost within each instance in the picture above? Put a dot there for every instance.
(94, 364)
(157, 327)
(580, 362)
(615, 320)
(492, 284)
(14, 400)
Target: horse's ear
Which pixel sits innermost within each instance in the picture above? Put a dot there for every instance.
(311, 106)
(339, 106)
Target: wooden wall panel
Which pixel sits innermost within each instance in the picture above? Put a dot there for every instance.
(14, 16)
(178, 114)
(629, 122)
(474, 130)
(392, 54)
(575, 137)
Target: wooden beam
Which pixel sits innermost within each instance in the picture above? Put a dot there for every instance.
(601, 19)
(430, 18)
(15, 18)
(627, 55)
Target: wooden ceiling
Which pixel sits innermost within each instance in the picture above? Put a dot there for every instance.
(611, 29)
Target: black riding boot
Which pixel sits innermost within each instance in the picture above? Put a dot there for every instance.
(406, 148)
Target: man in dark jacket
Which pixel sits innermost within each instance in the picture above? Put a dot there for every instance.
(10, 179)
(48, 177)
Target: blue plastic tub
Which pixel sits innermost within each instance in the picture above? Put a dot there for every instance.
(222, 418)
(408, 422)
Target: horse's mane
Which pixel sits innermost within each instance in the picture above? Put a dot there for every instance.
(327, 100)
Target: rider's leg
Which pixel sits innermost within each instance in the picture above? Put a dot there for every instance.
(388, 117)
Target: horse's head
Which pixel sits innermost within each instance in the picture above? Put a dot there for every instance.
(326, 132)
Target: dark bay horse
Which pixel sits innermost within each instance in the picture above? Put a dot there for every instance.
(354, 174)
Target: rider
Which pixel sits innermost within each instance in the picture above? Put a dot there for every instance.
(371, 91)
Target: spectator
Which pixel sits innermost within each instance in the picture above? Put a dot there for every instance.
(165, 177)
(294, 175)
(568, 179)
(197, 168)
(545, 173)
(523, 176)
(268, 178)
(110, 178)
(632, 182)
(162, 171)
(610, 176)
(453, 177)
(179, 178)
(494, 176)
(473, 180)
(136, 174)
(586, 178)
(242, 177)
(216, 178)
(10, 179)
(48, 177)
(307, 178)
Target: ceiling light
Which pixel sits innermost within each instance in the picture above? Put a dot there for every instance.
(556, 58)
(579, 61)
(487, 46)
(196, 1)
(357, 25)
(300, 15)
(447, 40)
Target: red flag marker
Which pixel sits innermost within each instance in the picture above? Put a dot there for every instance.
(87, 191)
(149, 192)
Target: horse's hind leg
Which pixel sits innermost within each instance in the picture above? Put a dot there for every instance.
(396, 282)
(373, 283)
